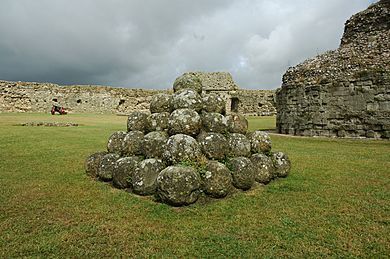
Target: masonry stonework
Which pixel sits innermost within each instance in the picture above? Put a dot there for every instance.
(39, 97)
(346, 92)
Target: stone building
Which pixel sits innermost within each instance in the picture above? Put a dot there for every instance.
(39, 97)
(346, 92)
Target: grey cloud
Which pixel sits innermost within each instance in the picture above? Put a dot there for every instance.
(147, 43)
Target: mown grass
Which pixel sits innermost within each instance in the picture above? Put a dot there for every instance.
(335, 203)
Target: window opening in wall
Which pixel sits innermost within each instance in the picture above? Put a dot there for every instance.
(78, 101)
(260, 105)
(55, 100)
(234, 105)
(121, 101)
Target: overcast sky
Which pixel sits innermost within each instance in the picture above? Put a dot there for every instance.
(148, 43)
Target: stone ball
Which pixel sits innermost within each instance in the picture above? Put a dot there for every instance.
(184, 121)
(217, 180)
(282, 164)
(181, 148)
(214, 122)
(263, 167)
(237, 123)
(187, 98)
(213, 145)
(178, 185)
(239, 145)
(123, 171)
(115, 142)
(145, 176)
(161, 103)
(188, 81)
(243, 172)
(107, 166)
(92, 163)
(154, 143)
(213, 103)
(132, 143)
(260, 142)
(158, 121)
(137, 121)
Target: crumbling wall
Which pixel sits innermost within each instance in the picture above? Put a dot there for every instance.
(39, 97)
(346, 92)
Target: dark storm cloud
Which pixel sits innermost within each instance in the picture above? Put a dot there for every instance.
(147, 43)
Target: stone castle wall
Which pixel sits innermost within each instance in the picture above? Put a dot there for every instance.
(39, 97)
(346, 92)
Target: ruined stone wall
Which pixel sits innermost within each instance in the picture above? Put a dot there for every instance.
(39, 97)
(255, 102)
(346, 92)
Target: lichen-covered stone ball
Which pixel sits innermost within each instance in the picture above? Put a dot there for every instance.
(181, 148)
(158, 121)
(213, 103)
(214, 122)
(184, 121)
(178, 185)
(213, 145)
(188, 81)
(92, 163)
(137, 121)
(260, 142)
(239, 145)
(115, 142)
(123, 171)
(282, 164)
(216, 180)
(161, 103)
(243, 172)
(263, 167)
(145, 176)
(154, 144)
(132, 143)
(187, 98)
(107, 166)
(237, 123)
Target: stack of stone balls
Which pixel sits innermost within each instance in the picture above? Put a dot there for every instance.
(186, 148)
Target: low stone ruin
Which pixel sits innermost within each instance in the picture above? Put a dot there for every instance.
(187, 148)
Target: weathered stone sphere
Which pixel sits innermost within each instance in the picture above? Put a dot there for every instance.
(187, 98)
(132, 143)
(161, 103)
(213, 145)
(214, 122)
(115, 142)
(158, 121)
(180, 148)
(237, 123)
(154, 143)
(184, 121)
(107, 166)
(217, 180)
(124, 169)
(243, 172)
(239, 145)
(213, 103)
(282, 164)
(260, 142)
(145, 176)
(92, 163)
(178, 185)
(137, 121)
(263, 167)
(188, 81)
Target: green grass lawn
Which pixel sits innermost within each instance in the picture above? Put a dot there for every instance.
(335, 203)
